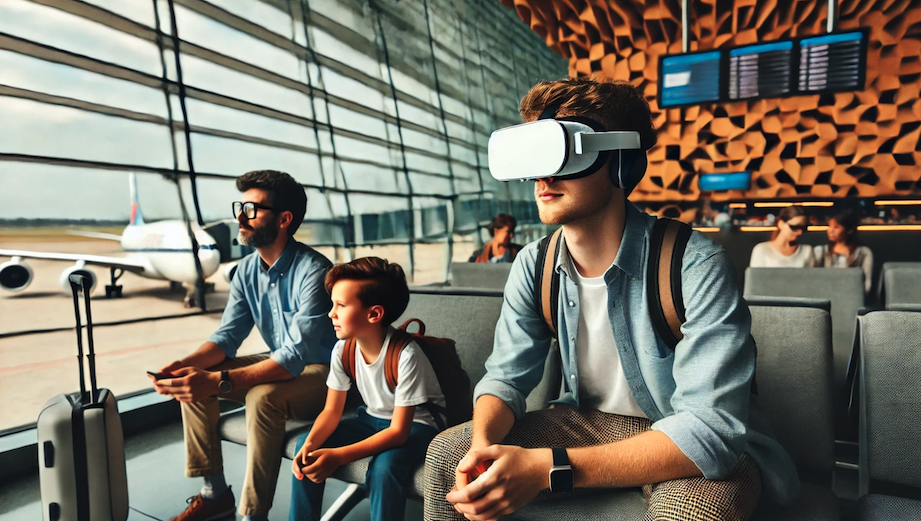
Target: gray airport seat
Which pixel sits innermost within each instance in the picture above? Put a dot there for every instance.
(486, 275)
(794, 375)
(890, 415)
(842, 287)
(900, 284)
(469, 317)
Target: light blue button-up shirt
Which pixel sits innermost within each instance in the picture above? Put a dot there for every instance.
(698, 395)
(289, 304)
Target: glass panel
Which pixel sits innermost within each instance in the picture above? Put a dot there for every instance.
(260, 13)
(37, 75)
(56, 28)
(209, 115)
(211, 34)
(215, 78)
(56, 131)
(140, 11)
(231, 157)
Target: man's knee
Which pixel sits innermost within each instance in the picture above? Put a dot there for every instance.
(262, 399)
(447, 449)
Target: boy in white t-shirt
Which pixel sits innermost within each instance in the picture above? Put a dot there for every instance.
(368, 295)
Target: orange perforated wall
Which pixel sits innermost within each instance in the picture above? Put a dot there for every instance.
(863, 143)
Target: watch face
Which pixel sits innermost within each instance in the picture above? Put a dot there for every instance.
(561, 480)
(225, 386)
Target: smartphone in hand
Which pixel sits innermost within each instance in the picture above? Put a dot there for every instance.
(159, 376)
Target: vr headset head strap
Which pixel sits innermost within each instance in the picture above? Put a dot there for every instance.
(626, 168)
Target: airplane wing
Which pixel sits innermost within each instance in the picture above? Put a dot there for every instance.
(122, 263)
(95, 235)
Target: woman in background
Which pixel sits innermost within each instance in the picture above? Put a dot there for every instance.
(784, 249)
(500, 248)
(842, 250)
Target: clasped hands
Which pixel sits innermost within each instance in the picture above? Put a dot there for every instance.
(315, 464)
(499, 479)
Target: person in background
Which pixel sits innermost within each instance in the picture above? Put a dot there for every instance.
(500, 248)
(842, 250)
(784, 249)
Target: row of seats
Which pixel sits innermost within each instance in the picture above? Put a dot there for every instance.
(796, 393)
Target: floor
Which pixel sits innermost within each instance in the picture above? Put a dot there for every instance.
(158, 488)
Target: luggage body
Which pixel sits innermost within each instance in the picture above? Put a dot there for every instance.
(81, 448)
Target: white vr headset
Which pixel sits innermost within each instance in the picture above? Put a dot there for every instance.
(565, 148)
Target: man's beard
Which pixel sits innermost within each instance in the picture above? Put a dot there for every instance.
(259, 236)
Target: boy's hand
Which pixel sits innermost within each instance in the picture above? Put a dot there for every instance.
(301, 460)
(325, 462)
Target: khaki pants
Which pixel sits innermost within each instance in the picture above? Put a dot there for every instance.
(267, 408)
(690, 499)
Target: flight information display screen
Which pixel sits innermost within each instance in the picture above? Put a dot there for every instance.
(689, 78)
(833, 62)
(760, 71)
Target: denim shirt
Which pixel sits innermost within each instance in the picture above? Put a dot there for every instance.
(698, 395)
(288, 302)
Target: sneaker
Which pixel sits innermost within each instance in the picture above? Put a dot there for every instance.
(200, 509)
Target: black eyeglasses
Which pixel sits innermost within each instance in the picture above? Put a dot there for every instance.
(799, 227)
(249, 209)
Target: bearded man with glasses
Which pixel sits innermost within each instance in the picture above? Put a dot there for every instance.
(279, 289)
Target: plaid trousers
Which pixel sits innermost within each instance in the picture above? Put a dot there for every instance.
(687, 499)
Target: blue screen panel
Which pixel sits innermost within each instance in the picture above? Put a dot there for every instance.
(727, 181)
(690, 78)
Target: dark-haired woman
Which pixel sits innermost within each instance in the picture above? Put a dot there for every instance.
(784, 249)
(500, 248)
(843, 250)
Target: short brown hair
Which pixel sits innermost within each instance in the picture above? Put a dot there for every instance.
(617, 105)
(501, 221)
(382, 284)
(284, 193)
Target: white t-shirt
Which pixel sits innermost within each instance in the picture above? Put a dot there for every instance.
(765, 255)
(416, 381)
(602, 383)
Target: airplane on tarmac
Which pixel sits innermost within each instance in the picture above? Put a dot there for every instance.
(158, 250)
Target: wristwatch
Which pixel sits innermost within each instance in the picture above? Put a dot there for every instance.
(561, 479)
(225, 386)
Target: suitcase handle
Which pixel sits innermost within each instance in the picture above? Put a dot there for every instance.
(78, 283)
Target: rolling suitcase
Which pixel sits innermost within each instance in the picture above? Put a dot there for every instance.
(81, 448)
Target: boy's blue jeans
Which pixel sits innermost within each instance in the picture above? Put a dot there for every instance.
(389, 473)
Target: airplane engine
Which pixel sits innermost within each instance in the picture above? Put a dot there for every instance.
(80, 268)
(229, 270)
(15, 275)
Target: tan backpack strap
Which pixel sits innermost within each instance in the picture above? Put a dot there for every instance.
(421, 324)
(547, 301)
(665, 275)
(348, 357)
(663, 279)
(398, 341)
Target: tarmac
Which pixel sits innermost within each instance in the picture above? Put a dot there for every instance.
(37, 337)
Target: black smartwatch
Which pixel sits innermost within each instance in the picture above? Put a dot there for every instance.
(561, 479)
(225, 386)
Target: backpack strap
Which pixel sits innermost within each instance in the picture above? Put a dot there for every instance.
(547, 285)
(664, 296)
(348, 357)
(398, 340)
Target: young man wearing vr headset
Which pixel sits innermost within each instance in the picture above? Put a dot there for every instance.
(634, 412)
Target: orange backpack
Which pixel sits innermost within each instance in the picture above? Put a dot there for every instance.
(442, 353)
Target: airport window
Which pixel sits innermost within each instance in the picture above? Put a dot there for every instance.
(392, 165)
